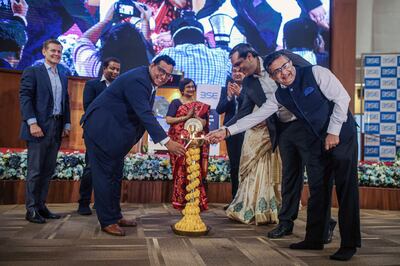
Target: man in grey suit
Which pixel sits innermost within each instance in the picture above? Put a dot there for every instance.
(45, 112)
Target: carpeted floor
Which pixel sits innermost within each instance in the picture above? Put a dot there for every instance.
(77, 240)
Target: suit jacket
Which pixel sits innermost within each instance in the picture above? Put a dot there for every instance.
(118, 117)
(92, 89)
(36, 100)
(227, 107)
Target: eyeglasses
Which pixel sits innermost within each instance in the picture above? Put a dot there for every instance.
(237, 63)
(278, 71)
(163, 72)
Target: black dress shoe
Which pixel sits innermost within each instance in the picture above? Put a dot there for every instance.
(34, 217)
(280, 231)
(329, 237)
(84, 210)
(45, 213)
(343, 254)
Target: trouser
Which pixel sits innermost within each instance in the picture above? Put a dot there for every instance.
(343, 166)
(107, 180)
(298, 146)
(42, 160)
(85, 189)
(234, 147)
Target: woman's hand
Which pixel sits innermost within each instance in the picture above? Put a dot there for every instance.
(190, 113)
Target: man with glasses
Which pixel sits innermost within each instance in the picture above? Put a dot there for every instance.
(324, 136)
(257, 87)
(112, 124)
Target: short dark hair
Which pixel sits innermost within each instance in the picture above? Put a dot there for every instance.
(47, 42)
(269, 59)
(164, 58)
(185, 82)
(243, 49)
(300, 33)
(125, 42)
(187, 29)
(108, 60)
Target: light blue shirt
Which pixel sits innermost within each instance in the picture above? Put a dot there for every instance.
(56, 88)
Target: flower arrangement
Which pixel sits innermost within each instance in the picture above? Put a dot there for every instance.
(218, 169)
(379, 174)
(13, 166)
(70, 165)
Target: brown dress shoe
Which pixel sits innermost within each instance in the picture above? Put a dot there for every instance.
(127, 222)
(114, 229)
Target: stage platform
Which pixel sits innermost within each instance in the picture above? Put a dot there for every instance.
(77, 240)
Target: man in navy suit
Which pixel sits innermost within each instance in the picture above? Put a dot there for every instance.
(93, 88)
(113, 123)
(229, 103)
(45, 112)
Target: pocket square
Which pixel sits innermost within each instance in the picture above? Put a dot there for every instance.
(308, 91)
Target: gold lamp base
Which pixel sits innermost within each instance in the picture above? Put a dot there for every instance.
(189, 233)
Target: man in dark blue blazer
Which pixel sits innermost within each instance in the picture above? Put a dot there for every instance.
(112, 124)
(229, 103)
(93, 88)
(44, 104)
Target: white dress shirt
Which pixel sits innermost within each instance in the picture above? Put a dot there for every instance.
(330, 87)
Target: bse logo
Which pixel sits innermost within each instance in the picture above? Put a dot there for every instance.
(388, 83)
(387, 151)
(209, 95)
(388, 128)
(390, 72)
(388, 140)
(389, 60)
(388, 106)
(371, 106)
(372, 61)
(373, 72)
(373, 151)
(372, 83)
(388, 117)
(388, 94)
(372, 94)
(372, 128)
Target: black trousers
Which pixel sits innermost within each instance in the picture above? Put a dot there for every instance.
(343, 160)
(234, 148)
(85, 189)
(299, 147)
(107, 180)
(42, 160)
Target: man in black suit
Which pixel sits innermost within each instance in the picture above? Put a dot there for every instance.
(112, 124)
(45, 112)
(229, 103)
(93, 88)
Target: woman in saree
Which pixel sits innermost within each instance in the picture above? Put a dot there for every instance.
(260, 171)
(179, 111)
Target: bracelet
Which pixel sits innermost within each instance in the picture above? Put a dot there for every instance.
(227, 133)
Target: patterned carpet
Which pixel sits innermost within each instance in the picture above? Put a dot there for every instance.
(77, 240)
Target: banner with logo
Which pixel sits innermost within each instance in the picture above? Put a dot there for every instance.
(381, 106)
(210, 94)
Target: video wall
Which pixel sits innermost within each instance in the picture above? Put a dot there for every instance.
(136, 31)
